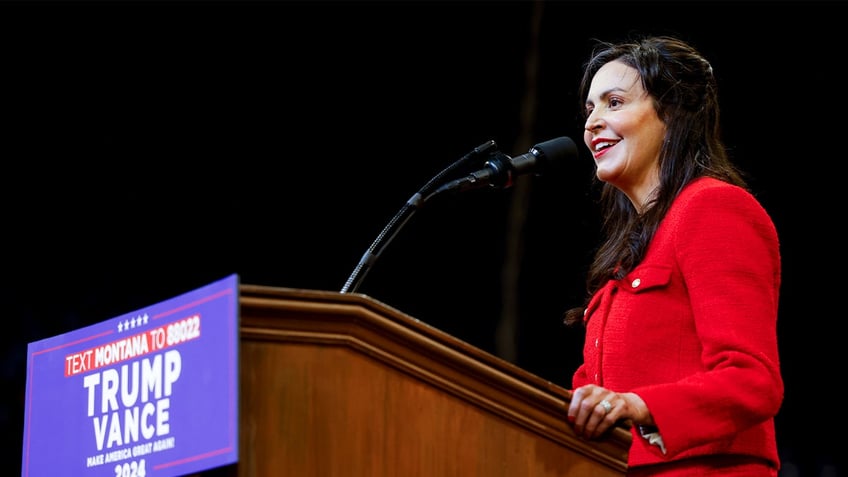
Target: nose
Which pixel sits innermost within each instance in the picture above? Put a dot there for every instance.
(593, 122)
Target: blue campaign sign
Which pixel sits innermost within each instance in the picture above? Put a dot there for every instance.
(153, 393)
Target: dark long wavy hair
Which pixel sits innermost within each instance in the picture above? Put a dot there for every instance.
(683, 89)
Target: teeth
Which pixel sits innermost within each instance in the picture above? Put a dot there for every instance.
(602, 145)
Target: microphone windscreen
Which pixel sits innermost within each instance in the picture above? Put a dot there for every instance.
(555, 153)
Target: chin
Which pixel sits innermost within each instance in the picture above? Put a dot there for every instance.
(604, 176)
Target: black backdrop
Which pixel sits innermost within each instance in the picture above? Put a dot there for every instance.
(154, 147)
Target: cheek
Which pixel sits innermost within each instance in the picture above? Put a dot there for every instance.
(652, 129)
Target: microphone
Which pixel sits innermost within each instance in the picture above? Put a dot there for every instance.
(501, 170)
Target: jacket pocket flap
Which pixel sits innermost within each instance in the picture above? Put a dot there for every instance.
(646, 278)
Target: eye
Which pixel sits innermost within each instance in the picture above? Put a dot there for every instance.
(615, 102)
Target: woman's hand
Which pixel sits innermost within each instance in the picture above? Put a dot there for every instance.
(594, 409)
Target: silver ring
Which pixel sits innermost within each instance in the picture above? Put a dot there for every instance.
(606, 405)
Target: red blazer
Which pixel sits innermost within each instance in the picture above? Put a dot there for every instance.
(693, 329)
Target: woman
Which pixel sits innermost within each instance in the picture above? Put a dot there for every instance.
(681, 318)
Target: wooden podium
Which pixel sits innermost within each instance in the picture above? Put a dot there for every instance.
(335, 384)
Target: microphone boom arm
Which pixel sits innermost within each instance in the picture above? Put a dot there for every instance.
(403, 215)
(388, 233)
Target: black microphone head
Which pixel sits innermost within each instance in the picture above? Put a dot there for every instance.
(554, 153)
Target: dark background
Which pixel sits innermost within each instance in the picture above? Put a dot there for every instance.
(152, 148)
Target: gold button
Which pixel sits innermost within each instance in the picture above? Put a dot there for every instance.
(636, 282)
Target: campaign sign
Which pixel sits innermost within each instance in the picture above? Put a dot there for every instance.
(153, 393)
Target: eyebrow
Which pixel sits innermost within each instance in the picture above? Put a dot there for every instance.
(607, 93)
